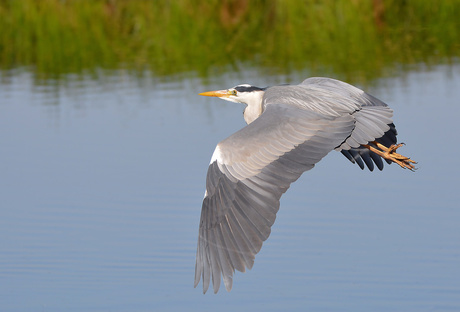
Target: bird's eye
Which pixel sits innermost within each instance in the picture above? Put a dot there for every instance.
(233, 92)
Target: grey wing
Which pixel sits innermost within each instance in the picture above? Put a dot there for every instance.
(248, 173)
(373, 120)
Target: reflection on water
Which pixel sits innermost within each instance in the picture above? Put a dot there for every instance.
(101, 198)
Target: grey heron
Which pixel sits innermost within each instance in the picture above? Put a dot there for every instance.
(290, 128)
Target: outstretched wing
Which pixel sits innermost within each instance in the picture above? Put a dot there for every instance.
(373, 118)
(248, 173)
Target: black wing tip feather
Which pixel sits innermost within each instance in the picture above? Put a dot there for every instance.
(365, 158)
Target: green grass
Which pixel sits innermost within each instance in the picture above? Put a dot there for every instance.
(354, 39)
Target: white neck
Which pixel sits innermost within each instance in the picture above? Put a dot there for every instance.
(254, 106)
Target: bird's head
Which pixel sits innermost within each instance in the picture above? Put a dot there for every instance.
(243, 93)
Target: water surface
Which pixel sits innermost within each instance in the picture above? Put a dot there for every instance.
(101, 186)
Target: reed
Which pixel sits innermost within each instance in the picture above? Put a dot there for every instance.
(355, 39)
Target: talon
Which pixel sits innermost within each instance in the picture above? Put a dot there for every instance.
(390, 154)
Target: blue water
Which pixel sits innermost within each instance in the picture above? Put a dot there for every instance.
(101, 185)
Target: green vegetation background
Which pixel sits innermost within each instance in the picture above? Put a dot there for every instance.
(363, 39)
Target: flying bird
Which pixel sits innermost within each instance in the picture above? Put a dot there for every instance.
(290, 128)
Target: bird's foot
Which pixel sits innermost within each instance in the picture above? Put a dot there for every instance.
(390, 154)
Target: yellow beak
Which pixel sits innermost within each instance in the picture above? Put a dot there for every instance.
(219, 93)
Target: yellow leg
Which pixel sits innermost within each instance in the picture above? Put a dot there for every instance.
(390, 154)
